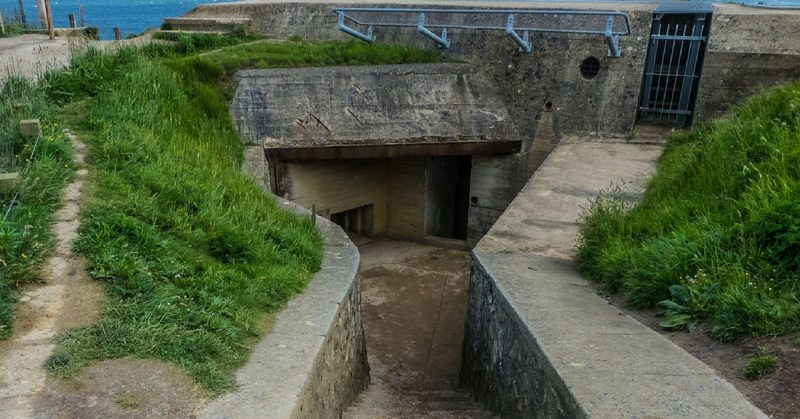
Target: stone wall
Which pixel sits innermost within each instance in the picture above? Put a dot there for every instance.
(502, 362)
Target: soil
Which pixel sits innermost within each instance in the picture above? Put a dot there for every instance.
(122, 388)
(776, 394)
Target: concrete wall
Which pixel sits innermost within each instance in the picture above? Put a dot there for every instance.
(744, 56)
(407, 198)
(313, 363)
(367, 105)
(528, 81)
(336, 186)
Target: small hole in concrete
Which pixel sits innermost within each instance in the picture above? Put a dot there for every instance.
(474, 200)
(590, 67)
(548, 106)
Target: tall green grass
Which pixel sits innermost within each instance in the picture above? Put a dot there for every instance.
(192, 253)
(26, 209)
(717, 236)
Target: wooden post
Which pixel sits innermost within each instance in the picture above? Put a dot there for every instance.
(42, 13)
(2, 27)
(50, 29)
(80, 11)
(117, 34)
(22, 14)
(71, 20)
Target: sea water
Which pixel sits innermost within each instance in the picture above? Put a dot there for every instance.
(131, 16)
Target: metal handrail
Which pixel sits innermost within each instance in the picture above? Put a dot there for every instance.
(610, 32)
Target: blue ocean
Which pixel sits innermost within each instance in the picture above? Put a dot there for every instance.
(131, 16)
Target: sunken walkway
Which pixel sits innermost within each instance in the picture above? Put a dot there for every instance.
(414, 304)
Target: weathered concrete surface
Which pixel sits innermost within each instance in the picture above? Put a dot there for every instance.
(367, 104)
(745, 56)
(313, 363)
(541, 343)
(414, 304)
(604, 105)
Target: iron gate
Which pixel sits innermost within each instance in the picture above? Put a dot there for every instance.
(674, 61)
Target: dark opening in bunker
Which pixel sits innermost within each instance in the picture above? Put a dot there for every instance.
(447, 196)
(356, 220)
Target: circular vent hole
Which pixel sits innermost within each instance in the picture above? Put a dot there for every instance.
(590, 67)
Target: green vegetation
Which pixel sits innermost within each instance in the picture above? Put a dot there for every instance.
(716, 237)
(759, 365)
(127, 400)
(12, 26)
(44, 165)
(193, 255)
(796, 342)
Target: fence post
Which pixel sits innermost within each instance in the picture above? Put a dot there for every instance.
(22, 14)
(71, 20)
(2, 27)
(117, 34)
(80, 10)
(49, 11)
(42, 13)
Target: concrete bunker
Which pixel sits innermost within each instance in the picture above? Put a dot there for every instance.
(383, 151)
(330, 132)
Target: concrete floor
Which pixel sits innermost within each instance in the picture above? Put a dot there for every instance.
(414, 301)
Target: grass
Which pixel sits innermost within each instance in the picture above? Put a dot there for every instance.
(127, 400)
(13, 26)
(759, 365)
(44, 167)
(194, 257)
(716, 237)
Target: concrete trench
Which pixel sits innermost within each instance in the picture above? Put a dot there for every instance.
(414, 304)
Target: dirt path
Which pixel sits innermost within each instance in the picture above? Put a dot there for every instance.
(67, 299)
(414, 300)
(31, 55)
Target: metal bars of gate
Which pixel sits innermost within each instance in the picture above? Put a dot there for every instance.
(614, 24)
(671, 75)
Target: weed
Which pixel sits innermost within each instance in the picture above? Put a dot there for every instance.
(127, 400)
(759, 365)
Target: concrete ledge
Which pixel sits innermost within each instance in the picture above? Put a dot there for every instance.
(313, 363)
(541, 343)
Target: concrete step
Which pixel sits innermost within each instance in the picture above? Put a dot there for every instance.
(420, 414)
(644, 133)
(416, 404)
(205, 24)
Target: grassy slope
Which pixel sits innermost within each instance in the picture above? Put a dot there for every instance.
(717, 236)
(44, 167)
(192, 252)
